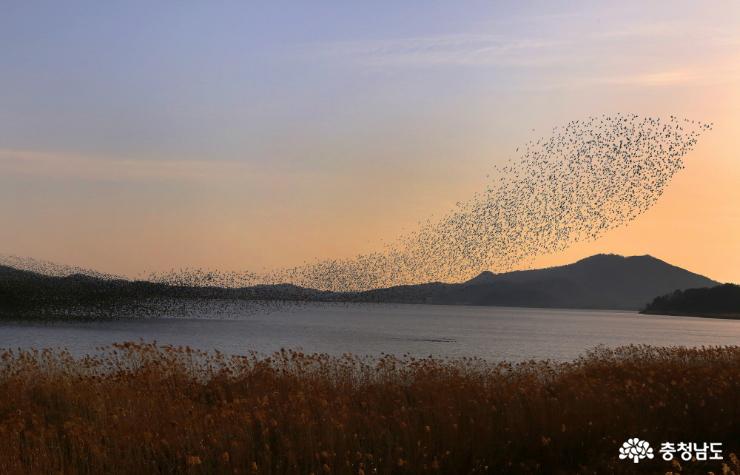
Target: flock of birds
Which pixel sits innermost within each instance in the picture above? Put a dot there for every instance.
(586, 178)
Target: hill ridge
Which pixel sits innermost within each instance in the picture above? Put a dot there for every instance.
(597, 281)
(608, 281)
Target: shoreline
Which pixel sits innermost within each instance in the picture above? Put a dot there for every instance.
(719, 316)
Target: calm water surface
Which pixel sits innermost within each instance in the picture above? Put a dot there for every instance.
(493, 333)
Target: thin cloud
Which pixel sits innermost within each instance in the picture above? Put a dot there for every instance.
(455, 49)
(701, 75)
(67, 166)
(537, 50)
(648, 30)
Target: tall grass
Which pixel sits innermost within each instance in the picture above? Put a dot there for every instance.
(142, 408)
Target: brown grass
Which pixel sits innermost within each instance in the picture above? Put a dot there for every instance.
(140, 408)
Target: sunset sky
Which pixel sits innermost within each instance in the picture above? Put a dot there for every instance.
(146, 136)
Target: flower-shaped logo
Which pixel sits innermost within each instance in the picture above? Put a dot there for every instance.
(636, 450)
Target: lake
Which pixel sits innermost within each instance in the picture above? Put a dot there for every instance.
(493, 333)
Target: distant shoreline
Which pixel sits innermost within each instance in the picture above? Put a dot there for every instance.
(722, 316)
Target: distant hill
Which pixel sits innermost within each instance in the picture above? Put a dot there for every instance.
(602, 281)
(27, 288)
(29, 295)
(719, 301)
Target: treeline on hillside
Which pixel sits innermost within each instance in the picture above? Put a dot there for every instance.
(720, 300)
(27, 294)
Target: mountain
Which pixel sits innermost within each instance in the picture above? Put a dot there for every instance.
(720, 301)
(600, 281)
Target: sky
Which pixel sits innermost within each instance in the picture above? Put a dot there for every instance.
(139, 137)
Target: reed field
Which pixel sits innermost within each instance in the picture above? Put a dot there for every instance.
(139, 408)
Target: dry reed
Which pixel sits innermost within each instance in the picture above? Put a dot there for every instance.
(140, 408)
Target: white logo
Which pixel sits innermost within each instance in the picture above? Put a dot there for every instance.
(636, 450)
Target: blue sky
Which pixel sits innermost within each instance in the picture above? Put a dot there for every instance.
(226, 79)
